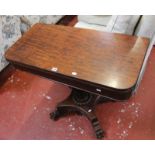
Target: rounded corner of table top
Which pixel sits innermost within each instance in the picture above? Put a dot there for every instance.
(33, 43)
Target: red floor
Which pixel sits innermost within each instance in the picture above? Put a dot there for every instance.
(26, 101)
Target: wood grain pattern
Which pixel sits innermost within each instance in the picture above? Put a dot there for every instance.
(105, 59)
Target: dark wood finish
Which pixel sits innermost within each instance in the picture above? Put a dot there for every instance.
(68, 20)
(82, 103)
(6, 73)
(73, 21)
(103, 61)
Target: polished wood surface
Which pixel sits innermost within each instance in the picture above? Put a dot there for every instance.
(99, 58)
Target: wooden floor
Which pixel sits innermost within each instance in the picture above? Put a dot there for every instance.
(26, 101)
(68, 20)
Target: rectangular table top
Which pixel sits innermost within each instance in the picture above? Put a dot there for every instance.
(81, 58)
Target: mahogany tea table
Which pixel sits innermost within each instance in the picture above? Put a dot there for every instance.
(98, 66)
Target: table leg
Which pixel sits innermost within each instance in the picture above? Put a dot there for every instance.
(83, 103)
